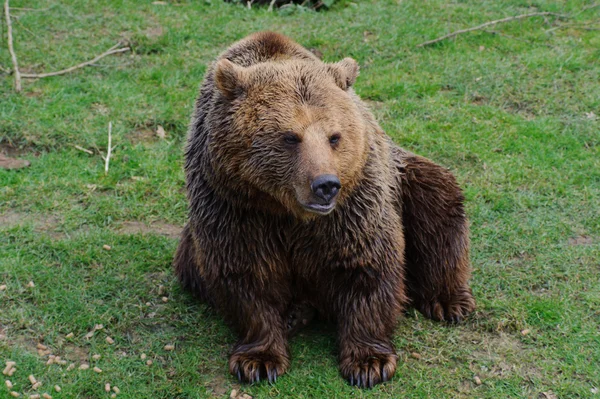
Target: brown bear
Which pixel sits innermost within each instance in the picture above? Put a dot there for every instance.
(298, 200)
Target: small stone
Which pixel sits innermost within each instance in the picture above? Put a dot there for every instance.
(106, 247)
(57, 388)
(97, 369)
(143, 356)
(30, 284)
(84, 366)
(165, 299)
(110, 341)
(169, 347)
(525, 332)
(69, 335)
(149, 363)
(477, 380)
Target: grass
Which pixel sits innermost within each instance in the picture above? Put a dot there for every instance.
(511, 114)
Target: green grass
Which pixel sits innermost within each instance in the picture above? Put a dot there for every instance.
(507, 113)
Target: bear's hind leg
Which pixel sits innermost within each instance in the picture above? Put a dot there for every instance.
(186, 266)
(437, 239)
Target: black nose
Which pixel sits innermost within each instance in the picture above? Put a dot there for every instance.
(326, 187)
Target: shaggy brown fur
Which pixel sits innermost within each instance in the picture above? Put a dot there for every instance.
(272, 120)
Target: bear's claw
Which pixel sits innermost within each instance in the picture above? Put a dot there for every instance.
(253, 367)
(368, 372)
(454, 310)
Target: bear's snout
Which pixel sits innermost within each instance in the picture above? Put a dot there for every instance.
(325, 188)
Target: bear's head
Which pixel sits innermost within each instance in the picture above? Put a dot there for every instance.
(291, 129)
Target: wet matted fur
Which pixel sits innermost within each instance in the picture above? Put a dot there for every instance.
(270, 118)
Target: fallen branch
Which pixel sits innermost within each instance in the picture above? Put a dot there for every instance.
(112, 50)
(11, 48)
(490, 23)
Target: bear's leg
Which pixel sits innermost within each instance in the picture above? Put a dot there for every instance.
(262, 351)
(436, 234)
(186, 266)
(370, 309)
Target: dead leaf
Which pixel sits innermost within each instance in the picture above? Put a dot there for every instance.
(12, 163)
(160, 132)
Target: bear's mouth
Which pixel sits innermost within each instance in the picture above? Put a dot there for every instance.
(321, 209)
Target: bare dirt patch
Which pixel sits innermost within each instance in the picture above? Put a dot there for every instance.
(159, 228)
(7, 162)
(581, 240)
(47, 224)
(154, 32)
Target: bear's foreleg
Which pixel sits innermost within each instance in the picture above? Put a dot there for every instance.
(437, 239)
(262, 352)
(258, 314)
(370, 306)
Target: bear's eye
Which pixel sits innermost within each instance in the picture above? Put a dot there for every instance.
(333, 140)
(291, 138)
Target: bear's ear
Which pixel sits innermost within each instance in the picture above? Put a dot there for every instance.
(229, 78)
(345, 72)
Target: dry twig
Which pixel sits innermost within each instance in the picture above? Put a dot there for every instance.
(490, 23)
(108, 150)
(30, 9)
(112, 50)
(11, 48)
(271, 5)
(83, 149)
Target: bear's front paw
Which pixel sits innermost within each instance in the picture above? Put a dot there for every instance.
(453, 309)
(254, 367)
(368, 370)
